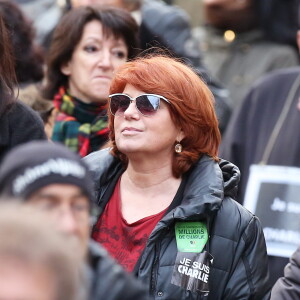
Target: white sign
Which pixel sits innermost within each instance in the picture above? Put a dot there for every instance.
(273, 195)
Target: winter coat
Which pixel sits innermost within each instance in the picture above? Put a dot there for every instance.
(251, 126)
(288, 287)
(234, 63)
(19, 125)
(109, 281)
(236, 240)
(250, 130)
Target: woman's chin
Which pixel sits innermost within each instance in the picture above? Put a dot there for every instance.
(98, 100)
(129, 148)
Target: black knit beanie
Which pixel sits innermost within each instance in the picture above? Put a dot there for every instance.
(31, 166)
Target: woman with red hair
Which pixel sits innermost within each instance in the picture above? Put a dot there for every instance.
(166, 207)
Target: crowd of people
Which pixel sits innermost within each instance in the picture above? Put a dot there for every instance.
(137, 153)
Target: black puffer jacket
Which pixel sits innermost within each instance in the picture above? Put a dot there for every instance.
(236, 240)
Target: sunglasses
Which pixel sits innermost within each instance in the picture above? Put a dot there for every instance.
(146, 104)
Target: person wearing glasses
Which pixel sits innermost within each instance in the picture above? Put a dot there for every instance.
(87, 46)
(166, 201)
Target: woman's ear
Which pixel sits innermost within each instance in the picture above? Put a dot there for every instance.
(66, 69)
(180, 136)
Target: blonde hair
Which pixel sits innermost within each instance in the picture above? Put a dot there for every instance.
(27, 237)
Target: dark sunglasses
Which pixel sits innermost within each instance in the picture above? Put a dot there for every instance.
(146, 104)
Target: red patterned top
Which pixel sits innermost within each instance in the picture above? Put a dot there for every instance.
(125, 242)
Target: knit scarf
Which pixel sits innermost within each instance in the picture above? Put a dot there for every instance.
(82, 127)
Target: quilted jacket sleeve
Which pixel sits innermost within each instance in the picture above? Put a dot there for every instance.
(249, 278)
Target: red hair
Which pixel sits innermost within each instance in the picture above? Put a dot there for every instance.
(191, 109)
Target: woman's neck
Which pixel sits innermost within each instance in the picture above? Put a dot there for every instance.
(147, 190)
(148, 175)
(148, 172)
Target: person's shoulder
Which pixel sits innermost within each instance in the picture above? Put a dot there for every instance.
(286, 73)
(98, 159)
(270, 89)
(22, 117)
(22, 110)
(240, 218)
(275, 77)
(102, 166)
(231, 206)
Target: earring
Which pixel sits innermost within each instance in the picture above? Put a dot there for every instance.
(178, 147)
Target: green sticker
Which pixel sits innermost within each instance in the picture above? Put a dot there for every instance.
(191, 236)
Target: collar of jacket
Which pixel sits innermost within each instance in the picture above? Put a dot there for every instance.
(206, 185)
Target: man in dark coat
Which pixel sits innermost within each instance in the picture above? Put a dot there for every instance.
(263, 131)
(50, 177)
(251, 127)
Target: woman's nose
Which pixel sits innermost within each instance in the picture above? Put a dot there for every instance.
(105, 59)
(131, 111)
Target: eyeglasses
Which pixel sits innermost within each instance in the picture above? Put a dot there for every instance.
(146, 104)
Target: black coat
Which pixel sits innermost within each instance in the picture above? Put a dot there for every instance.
(109, 281)
(251, 127)
(236, 240)
(252, 124)
(19, 125)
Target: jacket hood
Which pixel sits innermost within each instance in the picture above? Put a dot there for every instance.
(231, 178)
(208, 182)
(203, 191)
